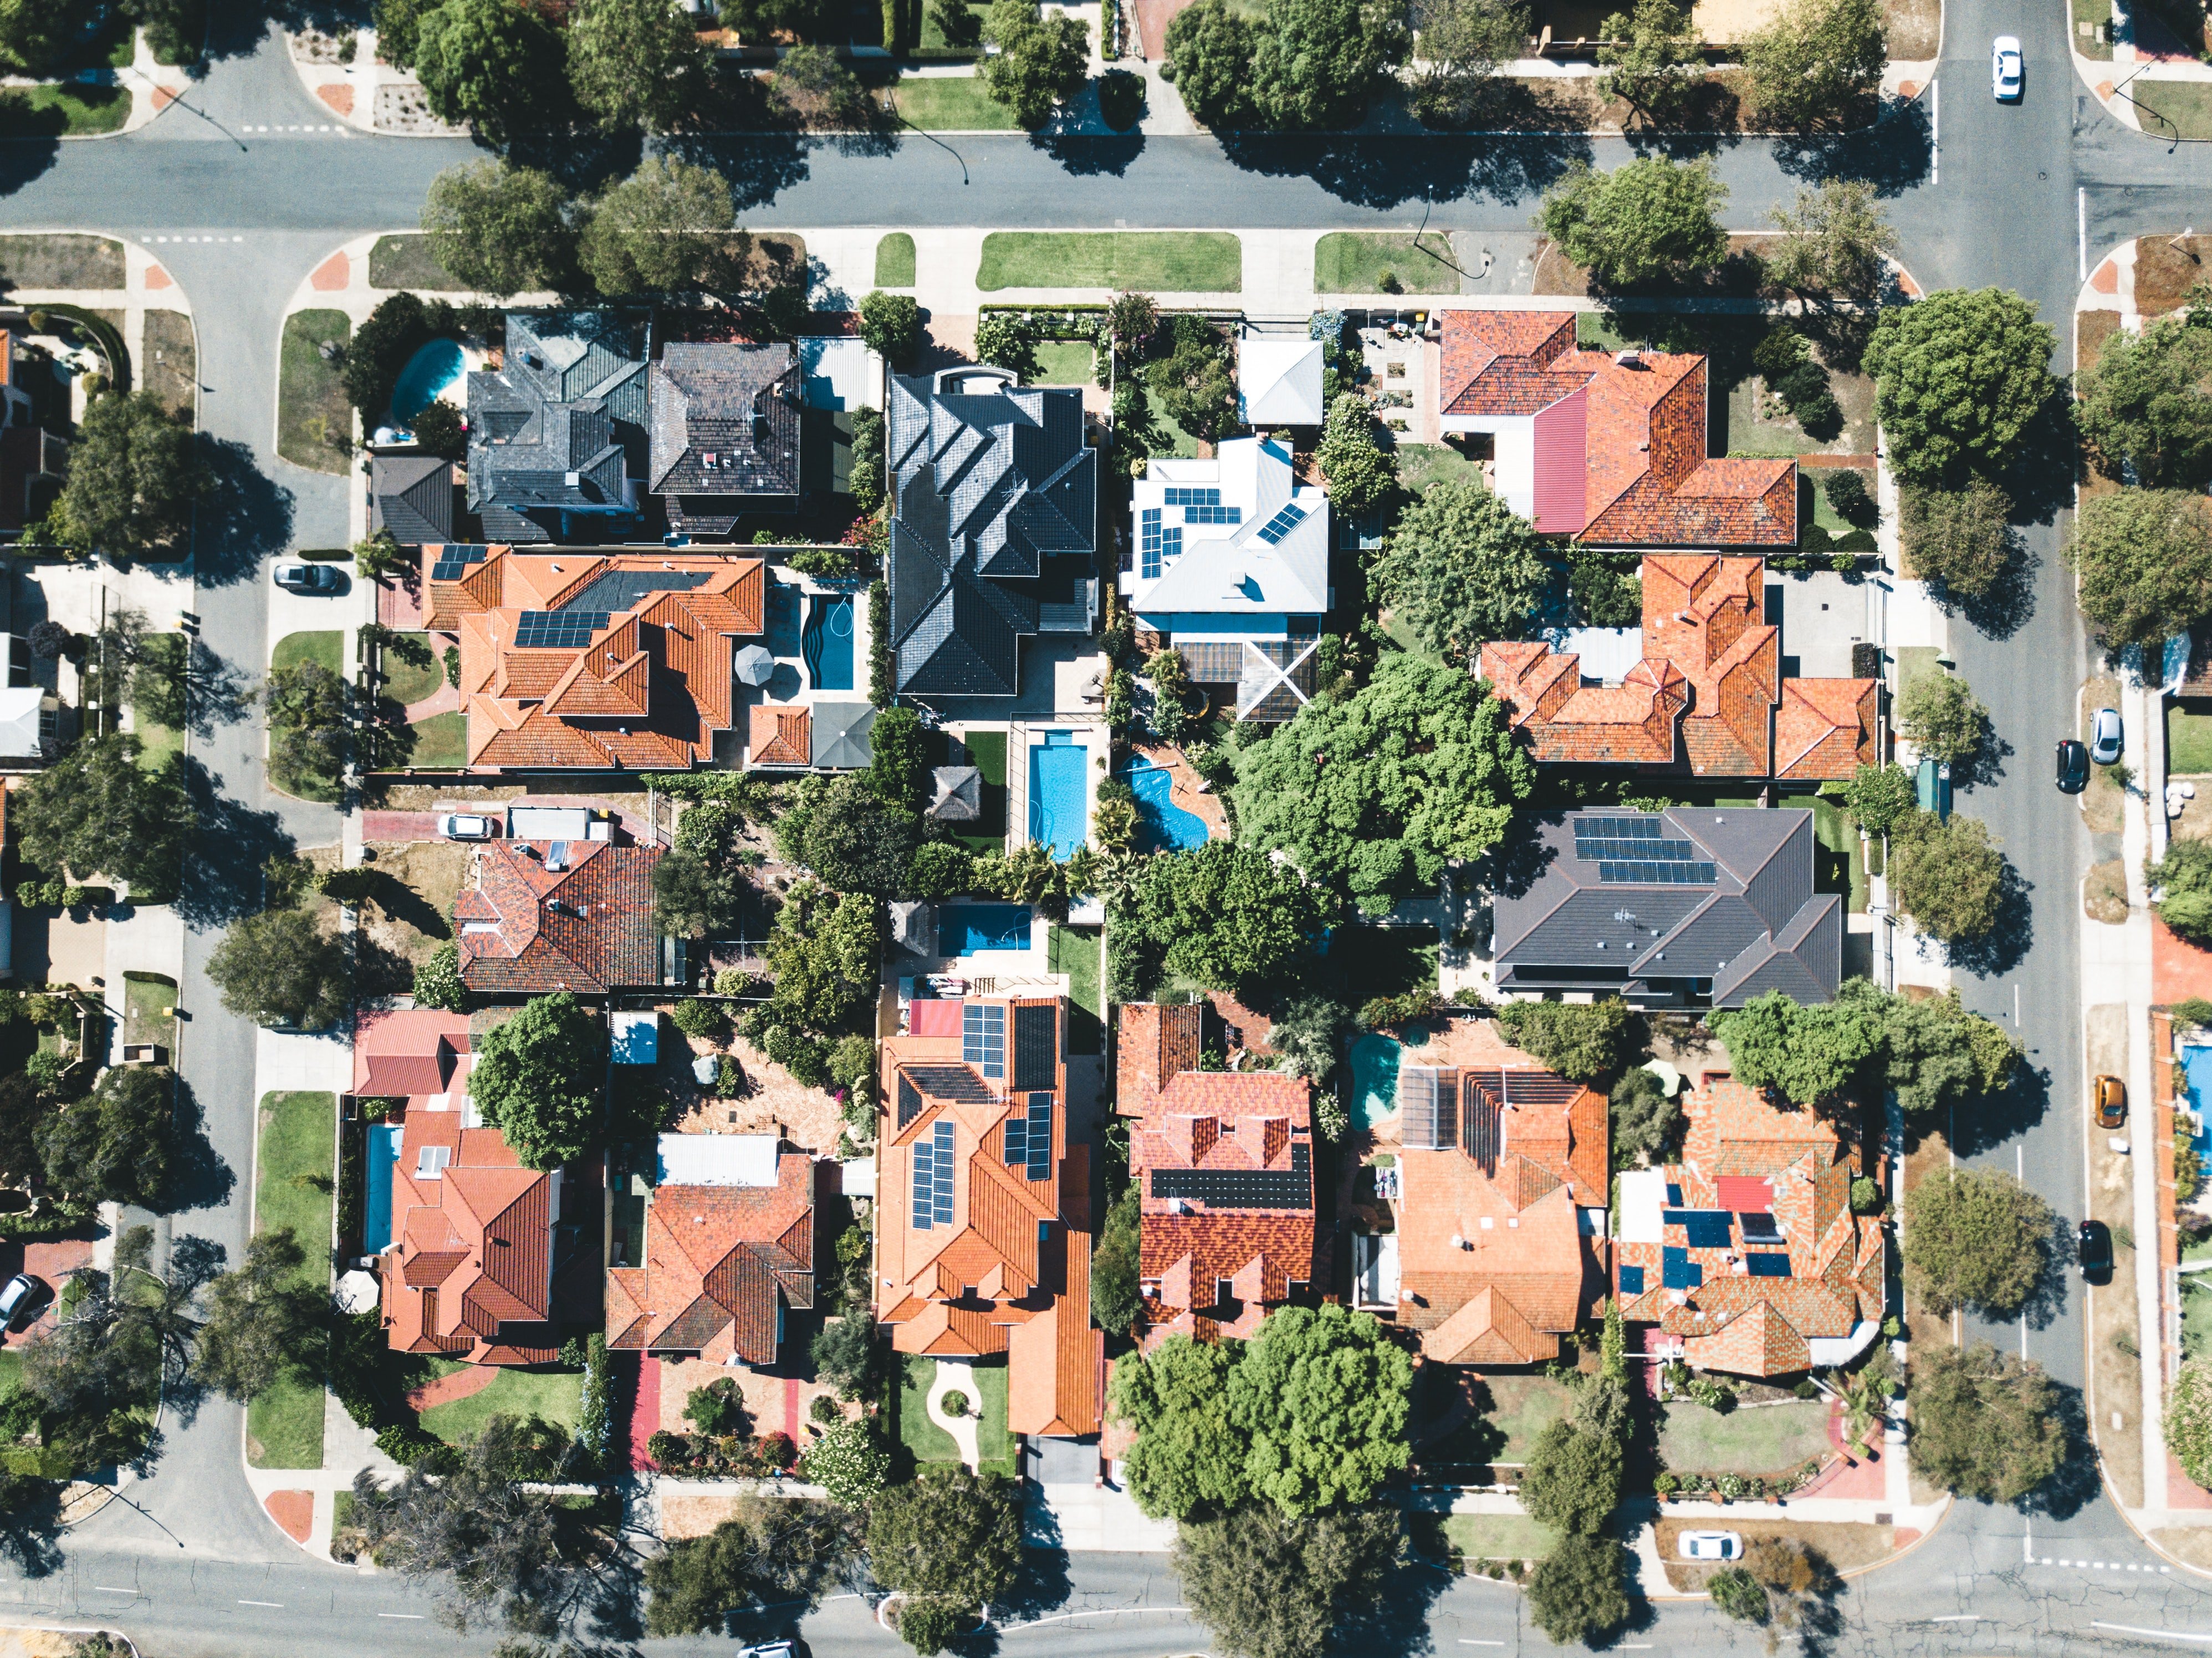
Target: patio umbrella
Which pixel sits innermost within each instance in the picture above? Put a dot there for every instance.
(755, 665)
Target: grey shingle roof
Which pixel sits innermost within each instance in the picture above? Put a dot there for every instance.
(548, 429)
(412, 497)
(738, 404)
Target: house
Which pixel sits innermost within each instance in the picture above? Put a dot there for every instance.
(30, 726)
(724, 433)
(574, 916)
(1705, 693)
(1746, 1254)
(1691, 907)
(994, 530)
(1224, 1161)
(410, 497)
(1232, 569)
(1503, 1185)
(1607, 446)
(410, 1054)
(982, 1208)
(591, 660)
(469, 1273)
(1279, 382)
(34, 466)
(557, 432)
(729, 1245)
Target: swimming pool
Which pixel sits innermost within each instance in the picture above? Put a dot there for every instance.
(1374, 1080)
(1162, 825)
(826, 641)
(429, 372)
(964, 929)
(1058, 792)
(2196, 1071)
(383, 1156)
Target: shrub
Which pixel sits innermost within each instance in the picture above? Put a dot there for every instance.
(1847, 492)
(849, 1463)
(702, 1019)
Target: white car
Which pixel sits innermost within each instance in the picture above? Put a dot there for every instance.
(2008, 72)
(22, 1293)
(466, 826)
(1710, 1545)
(2105, 737)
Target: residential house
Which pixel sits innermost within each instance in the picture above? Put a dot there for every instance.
(594, 660)
(982, 1208)
(411, 498)
(574, 916)
(1223, 1161)
(1691, 907)
(724, 433)
(1746, 1254)
(1232, 569)
(729, 1245)
(1607, 446)
(994, 527)
(557, 432)
(413, 1055)
(1279, 381)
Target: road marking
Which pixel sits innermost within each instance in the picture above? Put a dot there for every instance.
(2156, 1633)
(277, 1605)
(1959, 1617)
(1110, 1612)
(102, 1588)
(413, 1617)
(2081, 259)
(1466, 1643)
(1935, 133)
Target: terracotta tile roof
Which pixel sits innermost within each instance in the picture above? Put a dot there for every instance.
(1156, 1041)
(1824, 728)
(586, 927)
(780, 734)
(408, 1053)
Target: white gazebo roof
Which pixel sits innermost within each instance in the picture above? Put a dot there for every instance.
(1279, 382)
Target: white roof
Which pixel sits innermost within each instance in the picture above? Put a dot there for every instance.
(717, 1160)
(1233, 569)
(357, 1292)
(1279, 382)
(835, 372)
(1607, 654)
(1642, 1205)
(549, 822)
(19, 720)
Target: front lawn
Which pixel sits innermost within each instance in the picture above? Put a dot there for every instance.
(313, 418)
(1352, 262)
(987, 1400)
(145, 995)
(1154, 261)
(1063, 362)
(408, 683)
(406, 261)
(1765, 1439)
(1522, 1408)
(895, 260)
(1497, 1537)
(951, 103)
(441, 743)
(294, 1166)
(556, 1395)
(67, 111)
(2188, 742)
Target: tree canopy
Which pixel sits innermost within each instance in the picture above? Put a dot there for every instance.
(1359, 473)
(1984, 1425)
(668, 226)
(486, 63)
(633, 63)
(1651, 220)
(1572, 1481)
(1816, 61)
(1210, 50)
(949, 1536)
(1196, 381)
(2182, 881)
(282, 968)
(1645, 1116)
(1038, 62)
(36, 35)
(1835, 241)
(849, 834)
(499, 227)
(1961, 538)
(1268, 1585)
(1947, 875)
(1116, 1295)
(1939, 716)
(823, 949)
(99, 810)
(1959, 378)
(1462, 43)
(773, 1550)
(135, 474)
(1881, 797)
(263, 1322)
(2144, 560)
(1975, 1237)
(1807, 1053)
(116, 1144)
(2146, 404)
(1577, 1592)
(1315, 62)
(537, 1079)
(2189, 1420)
(1371, 793)
(1934, 1054)
(1223, 915)
(1462, 568)
(1579, 1040)
(1650, 58)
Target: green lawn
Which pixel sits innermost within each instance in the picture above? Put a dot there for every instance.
(556, 1395)
(951, 103)
(931, 1444)
(2174, 109)
(325, 648)
(1522, 1408)
(1842, 866)
(1076, 954)
(1498, 1537)
(441, 743)
(406, 682)
(2092, 12)
(1156, 261)
(1420, 464)
(1353, 262)
(94, 262)
(313, 414)
(1771, 1439)
(54, 111)
(2196, 1316)
(933, 33)
(406, 261)
(1064, 362)
(986, 752)
(144, 996)
(2188, 742)
(297, 1142)
(895, 260)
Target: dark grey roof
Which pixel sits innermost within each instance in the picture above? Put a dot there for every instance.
(412, 497)
(842, 732)
(547, 429)
(736, 405)
(989, 485)
(958, 794)
(1738, 910)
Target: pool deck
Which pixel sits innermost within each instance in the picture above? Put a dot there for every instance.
(1186, 787)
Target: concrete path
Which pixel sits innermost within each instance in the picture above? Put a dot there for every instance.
(957, 1375)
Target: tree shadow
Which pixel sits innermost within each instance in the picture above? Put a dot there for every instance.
(2079, 1480)
(25, 157)
(1088, 155)
(758, 167)
(1044, 1585)
(223, 877)
(1391, 171)
(1894, 154)
(1984, 765)
(2046, 462)
(2001, 949)
(198, 1178)
(2005, 608)
(31, 1526)
(1398, 1621)
(1512, 867)
(217, 694)
(1985, 1123)
(2045, 1302)
(246, 517)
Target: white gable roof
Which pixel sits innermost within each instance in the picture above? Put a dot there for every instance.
(1233, 569)
(1279, 382)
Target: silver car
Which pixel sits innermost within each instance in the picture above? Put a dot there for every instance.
(466, 826)
(2105, 737)
(298, 576)
(2007, 70)
(22, 1293)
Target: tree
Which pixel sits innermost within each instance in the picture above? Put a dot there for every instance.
(1580, 1040)
(309, 724)
(438, 981)
(850, 836)
(1269, 1586)
(22, 1110)
(2146, 404)
(1807, 1054)
(1462, 568)
(2181, 884)
(538, 1078)
(634, 63)
(1935, 1054)
(1880, 796)
(1958, 377)
(1573, 1481)
(1942, 717)
(950, 1537)
(1461, 45)
(1116, 1298)
(2144, 558)
(772, 1551)
(1315, 62)
(848, 1354)
(1359, 474)
(1836, 242)
(1575, 1595)
(1961, 538)
(1817, 61)
(668, 226)
(37, 35)
(1306, 1035)
(1371, 793)
(849, 1463)
(1646, 1117)
(486, 63)
(1210, 50)
(1975, 1237)
(100, 1372)
(1947, 875)
(822, 90)
(280, 968)
(1036, 62)
(1739, 1595)
(1196, 382)
(1224, 916)
(1187, 1458)
(1649, 221)
(898, 760)
(691, 898)
(263, 1323)
(824, 950)
(1984, 1425)
(891, 325)
(115, 1144)
(2189, 1420)
(98, 810)
(1650, 58)
(499, 228)
(135, 474)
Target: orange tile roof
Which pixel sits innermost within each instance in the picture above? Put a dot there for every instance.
(780, 734)
(1156, 1040)
(586, 926)
(1824, 728)
(408, 1053)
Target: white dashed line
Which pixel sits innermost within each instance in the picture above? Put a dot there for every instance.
(276, 1605)
(102, 1588)
(2156, 1633)
(1959, 1617)
(412, 1617)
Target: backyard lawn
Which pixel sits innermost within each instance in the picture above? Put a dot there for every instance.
(1763, 1439)
(895, 260)
(1420, 464)
(313, 415)
(1841, 857)
(296, 1150)
(1063, 362)
(1497, 1537)
(556, 1395)
(986, 752)
(406, 261)
(441, 743)
(1352, 262)
(1156, 261)
(2188, 742)
(951, 103)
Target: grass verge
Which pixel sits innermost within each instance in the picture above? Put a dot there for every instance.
(1353, 262)
(951, 103)
(145, 998)
(63, 112)
(312, 416)
(1156, 261)
(168, 362)
(2174, 109)
(74, 262)
(406, 261)
(895, 260)
(295, 1150)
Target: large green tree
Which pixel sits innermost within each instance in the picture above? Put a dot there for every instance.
(1035, 61)
(488, 64)
(1947, 875)
(1984, 1425)
(1187, 1458)
(2146, 404)
(1462, 568)
(538, 1078)
(281, 967)
(1196, 381)
(1371, 793)
(1807, 1053)
(824, 950)
(36, 35)
(1210, 51)
(1268, 1585)
(668, 226)
(772, 1551)
(1315, 62)
(115, 1144)
(850, 835)
(950, 1539)
(2189, 1420)
(1835, 242)
(1359, 472)
(1816, 61)
(1223, 915)
(1461, 45)
(1961, 538)
(634, 63)
(264, 1322)
(99, 810)
(1652, 220)
(1975, 1237)
(1580, 1040)
(1942, 717)
(1116, 1294)
(1958, 377)
(1650, 58)
(2182, 882)
(2144, 560)
(1578, 1591)
(1935, 1055)
(1572, 1481)
(499, 227)
(135, 474)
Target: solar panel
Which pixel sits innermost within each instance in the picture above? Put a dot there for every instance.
(941, 1174)
(925, 1181)
(1677, 1271)
(1655, 874)
(1036, 1047)
(1282, 524)
(1706, 1229)
(948, 1082)
(983, 1037)
(1179, 496)
(557, 630)
(1213, 514)
(454, 559)
(1631, 1280)
(1242, 1189)
(1674, 1195)
(910, 1100)
(1589, 846)
(1759, 1225)
(1644, 826)
(1148, 568)
(1170, 545)
(1040, 1137)
(1772, 1264)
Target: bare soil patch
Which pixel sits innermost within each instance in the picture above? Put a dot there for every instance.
(2103, 803)
(2167, 267)
(410, 912)
(2105, 893)
(1914, 28)
(1845, 1547)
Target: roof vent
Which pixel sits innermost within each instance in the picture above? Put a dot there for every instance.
(572, 478)
(1628, 359)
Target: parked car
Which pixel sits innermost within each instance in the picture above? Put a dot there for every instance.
(2105, 737)
(2096, 1251)
(467, 826)
(2112, 1102)
(2008, 73)
(1710, 1545)
(298, 576)
(22, 1293)
(2073, 765)
(770, 1650)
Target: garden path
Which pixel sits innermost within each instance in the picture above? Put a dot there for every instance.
(958, 1376)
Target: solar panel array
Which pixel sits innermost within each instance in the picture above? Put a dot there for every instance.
(1638, 852)
(910, 1100)
(1029, 1139)
(1631, 1280)
(1148, 546)
(1677, 1271)
(1036, 1047)
(557, 630)
(1242, 1189)
(1757, 1223)
(1706, 1229)
(1212, 515)
(983, 1037)
(1614, 874)
(1282, 524)
(932, 1177)
(949, 1082)
(1767, 1264)
(454, 559)
(1180, 496)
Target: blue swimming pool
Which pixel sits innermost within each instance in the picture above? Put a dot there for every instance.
(826, 641)
(1374, 1080)
(429, 372)
(1059, 792)
(383, 1156)
(2196, 1071)
(964, 929)
(1162, 825)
